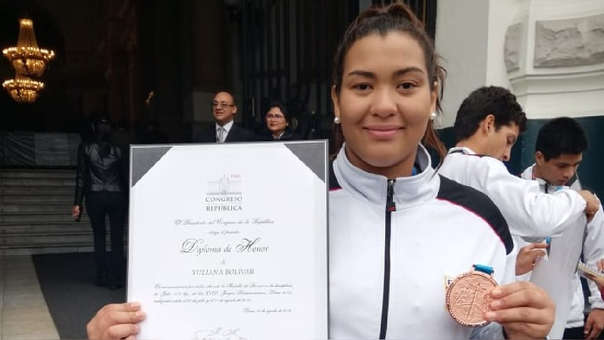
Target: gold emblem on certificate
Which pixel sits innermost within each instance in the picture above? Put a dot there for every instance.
(467, 296)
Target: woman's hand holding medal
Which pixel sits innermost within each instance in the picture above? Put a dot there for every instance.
(523, 309)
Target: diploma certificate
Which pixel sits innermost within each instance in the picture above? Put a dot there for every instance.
(229, 241)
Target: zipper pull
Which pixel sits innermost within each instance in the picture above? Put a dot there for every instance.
(390, 205)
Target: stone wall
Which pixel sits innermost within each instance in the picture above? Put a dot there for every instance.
(569, 42)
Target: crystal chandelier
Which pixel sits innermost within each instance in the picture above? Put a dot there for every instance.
(29, 62)
(23, 89)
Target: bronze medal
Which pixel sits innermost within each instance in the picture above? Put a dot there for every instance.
(467, 298)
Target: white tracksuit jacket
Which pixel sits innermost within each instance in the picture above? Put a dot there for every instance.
(593, 250)
(388, 266)
(528, 211)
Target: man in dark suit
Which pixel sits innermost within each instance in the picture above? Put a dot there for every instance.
(225, 130)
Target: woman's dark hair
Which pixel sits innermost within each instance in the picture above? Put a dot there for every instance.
(281, 107)
(484, 101)
(101, 128)
(382, 20)
(100, 118)
(561, 136)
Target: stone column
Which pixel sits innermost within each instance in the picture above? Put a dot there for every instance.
(554, 60)
(550, 53)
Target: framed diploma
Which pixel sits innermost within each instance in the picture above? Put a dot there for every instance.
(229, 241)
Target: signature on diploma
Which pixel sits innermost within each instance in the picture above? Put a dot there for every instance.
(218, 333)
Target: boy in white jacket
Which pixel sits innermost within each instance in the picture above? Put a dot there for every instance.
(559, 151)
(487, 126)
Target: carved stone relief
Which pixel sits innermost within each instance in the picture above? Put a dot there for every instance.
(569, 42)
(511, 51)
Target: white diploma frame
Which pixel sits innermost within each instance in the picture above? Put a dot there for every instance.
(229, 241)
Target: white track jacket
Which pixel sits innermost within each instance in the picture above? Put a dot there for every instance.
(528, 211)
(393, 245)
(593, 250)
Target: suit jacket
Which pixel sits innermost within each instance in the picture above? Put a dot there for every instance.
(236, 134)
(288, 134)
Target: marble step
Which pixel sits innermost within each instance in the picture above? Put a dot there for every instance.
(38, 173)
(62, 217)
(45, 228)
(37, 209)
(25, 315)
(35, 213)
(39, 236)
(38, 182)
(63, 199)
(43, 190)
(46, 241)
(30, 240)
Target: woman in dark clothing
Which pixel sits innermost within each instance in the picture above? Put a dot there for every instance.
(99, 177)
(277, 124)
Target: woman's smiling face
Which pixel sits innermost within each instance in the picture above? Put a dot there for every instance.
(275, 120)
(384, 103)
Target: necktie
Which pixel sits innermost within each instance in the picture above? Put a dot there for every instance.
(220, 135)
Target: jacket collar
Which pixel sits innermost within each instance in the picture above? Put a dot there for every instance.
(528, 174)
(543, 184)
(408, 191)
(462, 149)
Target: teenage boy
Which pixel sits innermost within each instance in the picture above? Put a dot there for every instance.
(558, 153)
(487, 126)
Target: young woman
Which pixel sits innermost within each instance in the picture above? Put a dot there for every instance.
(100, 181)
(398, 231)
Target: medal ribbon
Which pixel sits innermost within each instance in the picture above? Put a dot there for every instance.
(484, 268)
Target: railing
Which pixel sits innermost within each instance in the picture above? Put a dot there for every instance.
(38, 150)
